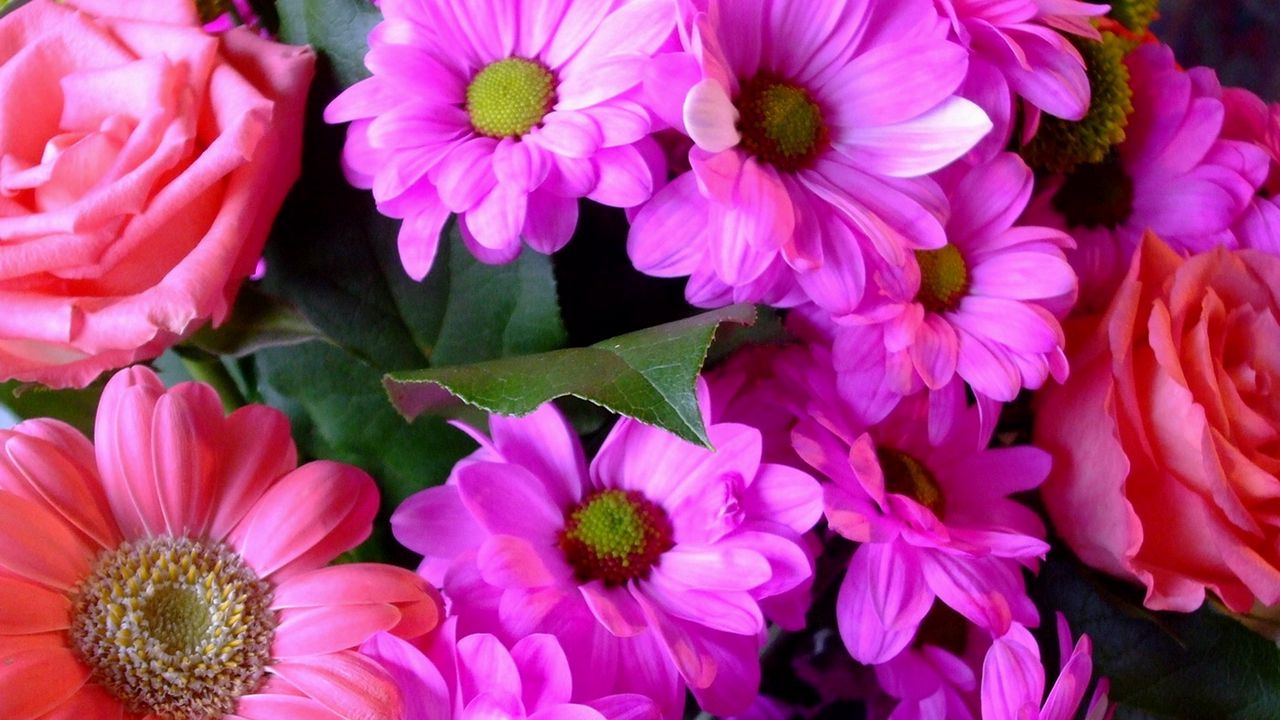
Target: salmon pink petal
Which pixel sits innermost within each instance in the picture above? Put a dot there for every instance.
(31, 609)
(45, 473)
(122, 438)
(37, 546)
(264, 706)
(257, 449)
(356, 584)
(37, 680)
(328, 629)
(349, 685)
(91, 701)
(309, 517)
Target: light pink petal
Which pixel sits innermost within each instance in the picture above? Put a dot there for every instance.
(789, 564)
(436, 523)
(714, 568)
(544, 671)
(784, 495)
(418, 604)
(486, 666)
(422, 688)
(1012, 677)
(272, 706)
(881, 604)
(545, 444)
(550, 222)
(668, 236)
(327, 629)
(507, 561)
(419, 238)
(349, 684)
(729, 611)
(920, 145)
(1024, 276)
(895, 82)
(573, 135)
(508, 500)
(465, 175)
(122, 441)
(520, 165)
(626, 180)
(710, 117)
(614, 607)
(309, 517)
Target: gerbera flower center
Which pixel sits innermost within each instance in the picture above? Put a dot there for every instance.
(615, 536)
(174, 627)
(509, 97)
(780, 123)
(944, 278)
(1096, 195)
(904, 475)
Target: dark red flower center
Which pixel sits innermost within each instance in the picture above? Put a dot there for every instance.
(904, 475)
(1096, 195)
(615, 536)
(780, 123)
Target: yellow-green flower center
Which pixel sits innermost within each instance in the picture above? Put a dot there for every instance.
(1060, 145)
(1135, 15)
(509, 97)
(944, 278)
(174, 627)
(780, 123)
(904, 475)
(1096, 195)
(615, 536)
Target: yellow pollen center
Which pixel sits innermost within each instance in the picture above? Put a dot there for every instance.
(509, 97)
(175, 628)
(904, 475)
(944, 278)
(780, 123)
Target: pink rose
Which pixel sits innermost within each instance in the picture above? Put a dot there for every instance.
(142, 162)
(1166, 437)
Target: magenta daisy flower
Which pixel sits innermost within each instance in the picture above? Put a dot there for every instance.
(979, 307)
(813, 124)
(504, 113)
(1013, 679)
(478, 676)
(936, 676)
(1173, 175)
(934, 520)
(1251, 120)
(649, 565)
(1018, 52)
(175, 568)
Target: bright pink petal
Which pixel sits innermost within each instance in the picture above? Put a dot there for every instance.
(348, 684)
(1012, 677)
(509, 500)
(882, 600)
(544, 672)
(422, 688)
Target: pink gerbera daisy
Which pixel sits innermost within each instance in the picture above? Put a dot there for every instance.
(477, 676)
(504, 113)
(1173, 175)
(978, 307)
(813, 123)
(651, 562)
(1018, 52)
(934, 520)
(174, 569)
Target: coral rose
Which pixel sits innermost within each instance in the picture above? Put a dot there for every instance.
(1166, 437)
(142, 162)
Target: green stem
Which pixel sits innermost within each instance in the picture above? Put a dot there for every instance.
(212, 372)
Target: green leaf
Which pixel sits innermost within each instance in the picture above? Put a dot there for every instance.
(1164, 665)
(337, 29)
(75, 407)
(649, 375)
(257, 322)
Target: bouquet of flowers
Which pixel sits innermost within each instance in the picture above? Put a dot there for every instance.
(582, 359)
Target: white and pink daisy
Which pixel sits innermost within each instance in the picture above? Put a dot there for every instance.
(935, 521)
(504, 113)
(1173, 175)
(813, 124)
(649, 566)
(980, 307)
(175, 568)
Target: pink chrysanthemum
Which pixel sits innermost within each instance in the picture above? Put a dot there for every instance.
(1172, 175)
(174, 568)
(477, 676)
(813, 124)
(650, 563)
(504, 113)
(1013, 679)
(934, 519)
(1251, 120)
(979, 306)
(1018, 52)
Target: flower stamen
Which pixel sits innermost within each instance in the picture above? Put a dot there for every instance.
(509, 97)
(944, 279)
(615, 536)
(780, 123)
(904, 475)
